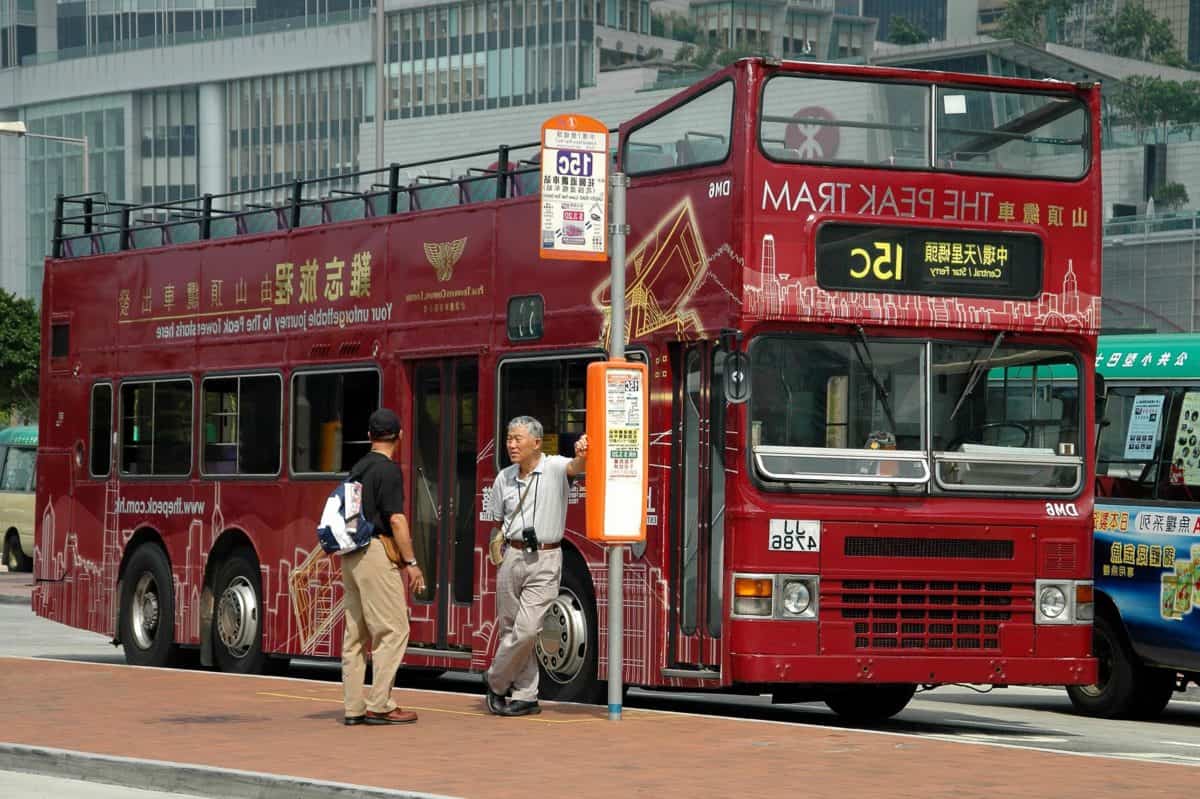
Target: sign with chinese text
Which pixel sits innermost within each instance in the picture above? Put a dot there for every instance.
(574, 188)
(617, 472)
(934, 261)
(1144, 420)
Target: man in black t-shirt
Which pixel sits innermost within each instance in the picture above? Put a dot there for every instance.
(375, 602)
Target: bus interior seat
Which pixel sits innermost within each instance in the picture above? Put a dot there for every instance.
(437, 195)
(223, 227)
(261, 221)
(478, 188)
(182, 232)
(647, 158)
(108, 242)
(312, 214)
(527, 182)
(701, 148)
(141, 238)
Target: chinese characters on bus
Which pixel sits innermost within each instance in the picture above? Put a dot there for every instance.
(289, 296)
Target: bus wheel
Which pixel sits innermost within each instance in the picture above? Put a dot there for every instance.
(237, 618)
(1153, 692)
(867, 703)
(147, 624)
(14, 557)
(567, 648)
(1113, 695)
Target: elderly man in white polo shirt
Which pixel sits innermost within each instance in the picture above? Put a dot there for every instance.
(529, 499)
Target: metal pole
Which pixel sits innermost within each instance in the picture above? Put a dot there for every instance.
(380, 80)
(616, 552)
(84, 143)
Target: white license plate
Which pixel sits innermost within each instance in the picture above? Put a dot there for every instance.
(794, 535)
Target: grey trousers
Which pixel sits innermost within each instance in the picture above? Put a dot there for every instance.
(525, 586)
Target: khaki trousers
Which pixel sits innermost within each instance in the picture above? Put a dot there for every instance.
(376, 603)
(525, 586)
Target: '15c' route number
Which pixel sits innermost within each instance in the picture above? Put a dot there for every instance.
(574, 163)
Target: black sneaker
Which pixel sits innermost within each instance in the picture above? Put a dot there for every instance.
(350, 721)
(495, 702)
(521, 707)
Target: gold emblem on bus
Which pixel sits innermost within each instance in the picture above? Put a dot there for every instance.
(443, 255)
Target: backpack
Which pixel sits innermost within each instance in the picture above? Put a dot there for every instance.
(343, 527)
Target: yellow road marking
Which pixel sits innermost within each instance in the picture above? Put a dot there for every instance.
(448, 711)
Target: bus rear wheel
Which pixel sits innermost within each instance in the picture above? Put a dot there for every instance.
(147, 623)
(567, 648)
(237, 617)
(14, 557)
(868, 703)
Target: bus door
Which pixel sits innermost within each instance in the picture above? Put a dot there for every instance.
(444, 433)
(697, 540)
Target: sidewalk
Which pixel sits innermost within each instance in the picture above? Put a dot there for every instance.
(262, 726)
(15, 587)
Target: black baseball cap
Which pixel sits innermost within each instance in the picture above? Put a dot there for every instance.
(384, 423)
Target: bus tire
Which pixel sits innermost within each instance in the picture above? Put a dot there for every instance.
(237, 615)
(14, 557)
(868, 703)
(1114, 694)
(147, 623)
(1153, 692)
(567, 649)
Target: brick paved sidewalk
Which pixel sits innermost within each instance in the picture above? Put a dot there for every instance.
(292, 727)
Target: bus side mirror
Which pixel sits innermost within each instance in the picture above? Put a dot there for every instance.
(737, 377)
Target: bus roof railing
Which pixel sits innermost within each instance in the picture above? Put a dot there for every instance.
(91, 224)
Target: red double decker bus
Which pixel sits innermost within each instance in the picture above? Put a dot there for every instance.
(833, 273)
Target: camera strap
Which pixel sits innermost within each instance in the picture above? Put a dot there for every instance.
(521, 502)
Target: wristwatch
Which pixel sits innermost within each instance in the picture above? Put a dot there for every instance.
(412, 562)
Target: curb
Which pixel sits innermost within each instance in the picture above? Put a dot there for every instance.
(159, 775)
(15, 599)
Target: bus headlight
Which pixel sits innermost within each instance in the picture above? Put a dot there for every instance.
(1054, 602)
(798, 597)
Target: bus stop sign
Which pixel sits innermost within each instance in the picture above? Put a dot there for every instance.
(574, 220)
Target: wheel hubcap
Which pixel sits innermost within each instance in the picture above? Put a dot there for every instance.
(562, 646)
(237, 617)
(144, 624)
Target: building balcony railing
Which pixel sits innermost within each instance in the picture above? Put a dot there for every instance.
(193, 37)
(1182, 221)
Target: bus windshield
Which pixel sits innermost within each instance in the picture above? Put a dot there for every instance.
(924, 127)
(988, 416)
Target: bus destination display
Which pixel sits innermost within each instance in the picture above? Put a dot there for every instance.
(928, 261)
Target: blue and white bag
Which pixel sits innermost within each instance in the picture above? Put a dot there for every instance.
(343, 527)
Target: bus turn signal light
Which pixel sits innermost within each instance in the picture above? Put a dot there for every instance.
(752, 586)
(752, 596)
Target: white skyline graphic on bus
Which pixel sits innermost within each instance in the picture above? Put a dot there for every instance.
(780, 295)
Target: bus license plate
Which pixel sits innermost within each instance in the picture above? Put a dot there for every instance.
(794, 535)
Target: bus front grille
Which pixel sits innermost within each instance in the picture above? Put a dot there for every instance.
(937, 616)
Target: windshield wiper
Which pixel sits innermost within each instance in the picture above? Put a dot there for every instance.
(976, 372)
(868, 363)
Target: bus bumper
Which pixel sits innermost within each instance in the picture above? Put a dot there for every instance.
(843, 669)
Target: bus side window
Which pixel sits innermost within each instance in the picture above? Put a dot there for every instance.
(1131, 446)
(1180, 480)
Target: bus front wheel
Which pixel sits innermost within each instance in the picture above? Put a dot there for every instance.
(868, 703)
(1114, 694)
(566, 649)
(237, 618)
(147, 623)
